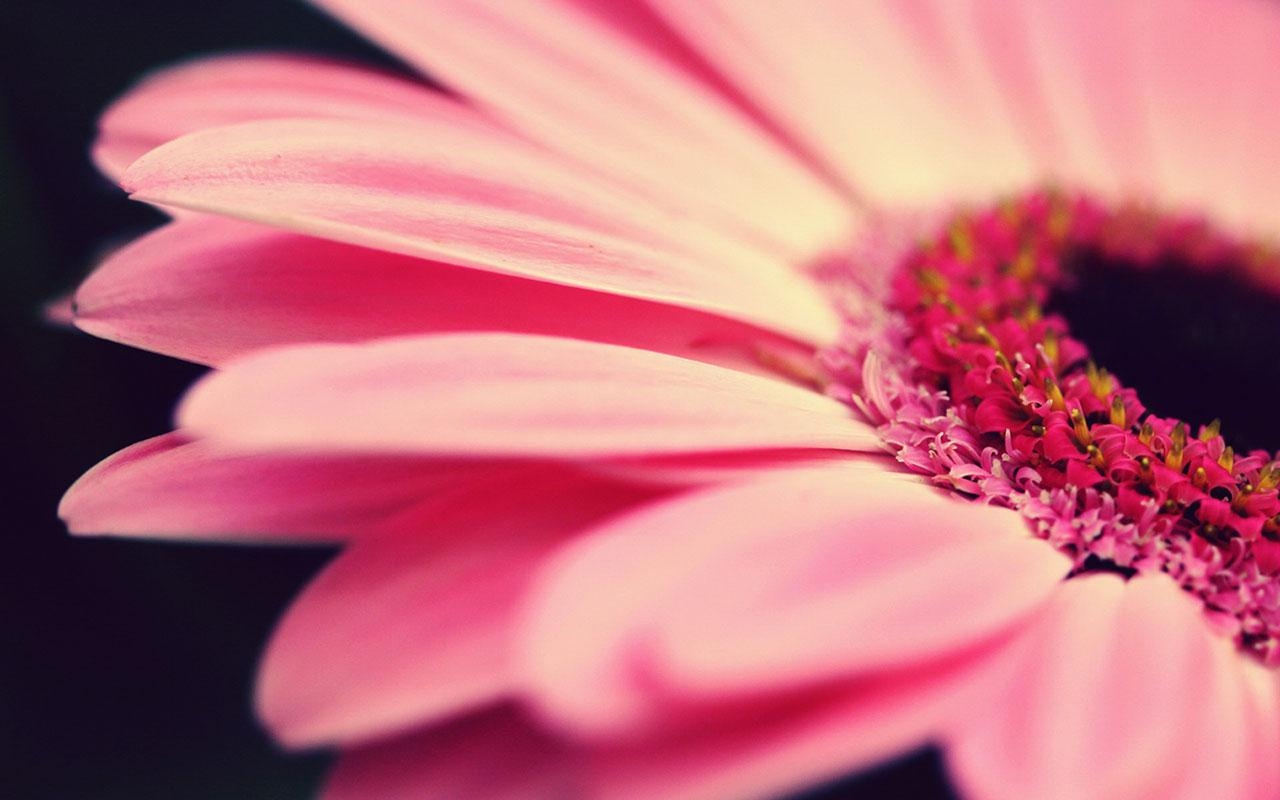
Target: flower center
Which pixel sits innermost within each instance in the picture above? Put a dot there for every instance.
(982, 374)
(1189, 336)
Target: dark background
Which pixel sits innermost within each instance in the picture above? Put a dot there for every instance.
(126, 667)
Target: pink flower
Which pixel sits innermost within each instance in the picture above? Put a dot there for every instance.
(628, 379)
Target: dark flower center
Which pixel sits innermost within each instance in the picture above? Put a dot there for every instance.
(1194, 340)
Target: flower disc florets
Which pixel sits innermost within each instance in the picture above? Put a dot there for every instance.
(974, 383)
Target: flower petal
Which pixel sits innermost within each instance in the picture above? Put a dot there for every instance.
(1210, 120)
(860, 86)
(563, 76)
(174, 486)
(417, 623)
(222, 90)
(791, 744)
(1067, 72)
(501, 394)
(801, 576)
(1102, 700)
(208, 289)
(445, 193)
(491, 756)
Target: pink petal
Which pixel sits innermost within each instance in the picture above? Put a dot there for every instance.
(1105, 698)
(1065, 71)
(491, 756)
(858, 85)
(565, 77)
(473, 394)
(444, 192)
(223, 90)
(1262, 702)
(1211, 120)
(208, 289)
(797, 743)
(797, 577)
(417, 623)
(172, 486)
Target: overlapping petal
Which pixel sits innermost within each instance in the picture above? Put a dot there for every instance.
(489, 756)
(175, 486)
(508, 395)
(491, 203)
(418, 622)
(900, 117)
(561, 74)
(223, 90)
(795, 578)
(1117, 683)
(208, 289)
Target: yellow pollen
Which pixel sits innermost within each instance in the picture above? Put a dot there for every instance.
(1200, 478)
(1095, 456)
(1228, 462)
(1117, 411)
(1050, 346)
(1055, 395)
(1101, 381)
(1024, 265)
(961, 236)
(1080, 426)
(1269, 478)
(1211, 431)
(1179, 438)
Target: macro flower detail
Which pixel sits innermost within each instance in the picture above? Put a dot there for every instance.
(1020, 415)
(690, 391)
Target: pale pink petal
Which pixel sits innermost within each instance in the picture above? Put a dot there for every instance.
(445, 193)
(563, 76)
(795, 743)
(797, 577)
(1207, 79)
(1262, 727)
(207, 289)
(1102, 699)
(173, 486)
(504, 394)
(1065, 72)
(417, 623)
(858, 85)
(496, 755)
(222, 90)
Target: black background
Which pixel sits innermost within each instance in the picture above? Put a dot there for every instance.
(126, 666)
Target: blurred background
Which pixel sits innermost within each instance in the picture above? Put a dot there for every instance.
(126, 667)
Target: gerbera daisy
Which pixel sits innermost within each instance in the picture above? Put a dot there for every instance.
(699, 390)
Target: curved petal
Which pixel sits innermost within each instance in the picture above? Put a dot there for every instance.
(789, 743)
(173, 486)
(565, 77)
(223, 90)
(491, 203)
(417, 623)
(904, 117)
(208, 289)
(491, 756)
(789, 580)
(501, 394)
(1104, 699)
